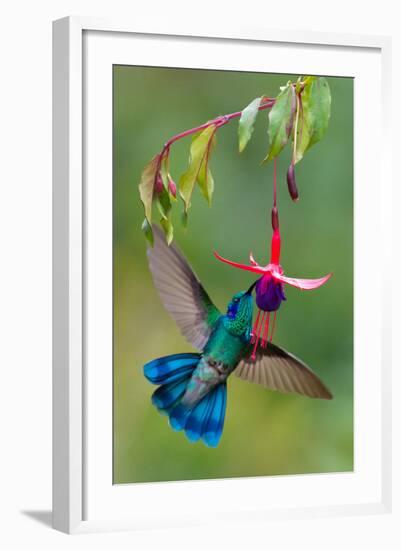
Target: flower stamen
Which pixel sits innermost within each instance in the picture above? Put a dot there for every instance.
(255, 328)
(274, 326)
(253, 356)
(266, 331)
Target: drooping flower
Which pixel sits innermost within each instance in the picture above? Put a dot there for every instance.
(269, 288)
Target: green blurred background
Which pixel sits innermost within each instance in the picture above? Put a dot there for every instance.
(266, 433)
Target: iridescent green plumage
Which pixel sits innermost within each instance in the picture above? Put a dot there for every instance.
(225, 348)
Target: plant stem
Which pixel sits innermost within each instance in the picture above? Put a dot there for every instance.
(274, 216)
(219, 121)
(275, 182)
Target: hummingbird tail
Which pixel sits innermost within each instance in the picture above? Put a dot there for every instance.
(172, 373)
(171, 368)
(203, 420)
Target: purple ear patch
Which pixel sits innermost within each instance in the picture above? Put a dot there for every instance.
(269, 293)
(232, 310)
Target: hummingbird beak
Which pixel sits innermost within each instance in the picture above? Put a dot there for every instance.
(250, 289)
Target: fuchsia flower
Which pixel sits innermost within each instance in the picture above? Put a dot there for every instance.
(269, 287)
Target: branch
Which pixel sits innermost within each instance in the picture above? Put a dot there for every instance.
(218, 122)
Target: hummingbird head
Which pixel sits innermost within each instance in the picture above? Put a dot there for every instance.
(239, 311)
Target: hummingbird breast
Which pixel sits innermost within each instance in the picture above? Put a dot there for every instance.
(221, 355)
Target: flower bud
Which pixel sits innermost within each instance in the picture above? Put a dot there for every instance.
(158, 184)
(275, 224)
(172, 187)
(292, 186)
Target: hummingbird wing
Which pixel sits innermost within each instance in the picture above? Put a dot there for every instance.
(279, 370)
(181, 291)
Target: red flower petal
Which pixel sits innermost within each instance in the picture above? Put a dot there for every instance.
(303, 284)
(254, 269)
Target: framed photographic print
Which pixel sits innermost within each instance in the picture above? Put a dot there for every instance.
(203, 182)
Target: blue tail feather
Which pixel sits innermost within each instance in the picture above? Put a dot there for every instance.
(178, 417)
(197, 420)
(167, 395)
(170, 368)
(204, 420)
(172, 373)
(215, 423)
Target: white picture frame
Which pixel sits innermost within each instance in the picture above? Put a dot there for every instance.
(83, 496)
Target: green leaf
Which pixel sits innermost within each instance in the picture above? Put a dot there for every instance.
(168, 229)
(164, 202)
(148, 231)
(164, 171)
(198, 151)
(316, 100)
(206, 182)
(205, 178)
(301, 132)
(314, 114)
(281, 118)
(246, 123)
(146, 186)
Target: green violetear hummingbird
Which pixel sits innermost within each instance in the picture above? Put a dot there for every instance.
(193, 386)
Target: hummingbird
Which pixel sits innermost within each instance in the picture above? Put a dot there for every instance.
(192, 388)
